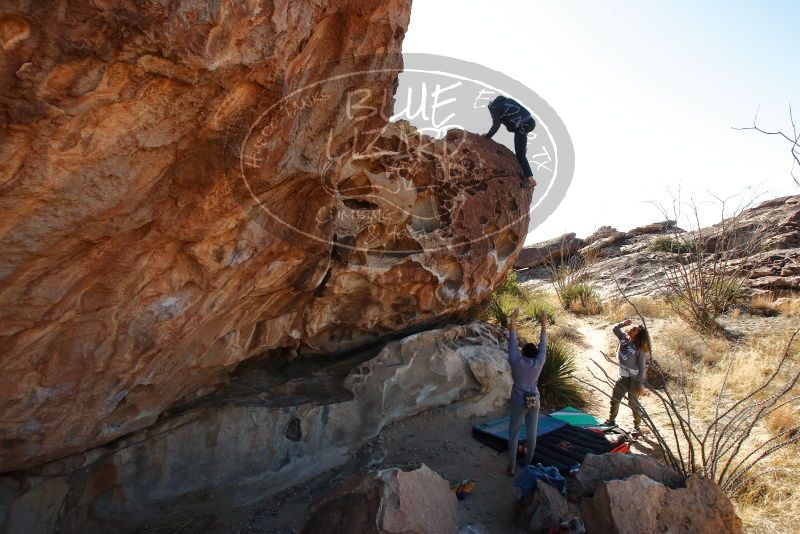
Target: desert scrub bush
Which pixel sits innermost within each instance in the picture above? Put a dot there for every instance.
(580, 298)
(511, 286)
(705, 283)
(571, 281)
(557, 384)
(666, 243)
(702, 297)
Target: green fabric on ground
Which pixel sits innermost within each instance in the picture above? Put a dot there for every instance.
(574, 417)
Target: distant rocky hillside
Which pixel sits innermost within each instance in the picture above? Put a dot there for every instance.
(630, 258)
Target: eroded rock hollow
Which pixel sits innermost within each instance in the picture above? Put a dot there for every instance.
(187, 185)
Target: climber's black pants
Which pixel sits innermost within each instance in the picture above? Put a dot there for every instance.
(520, 148)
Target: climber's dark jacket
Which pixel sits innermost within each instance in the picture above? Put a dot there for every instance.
(510, 114)
(517, 119)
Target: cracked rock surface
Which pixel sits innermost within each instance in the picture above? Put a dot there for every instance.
(170, 207)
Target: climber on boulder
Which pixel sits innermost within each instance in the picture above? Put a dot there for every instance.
(517, 119)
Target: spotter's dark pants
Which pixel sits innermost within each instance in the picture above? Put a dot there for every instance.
(626, 385)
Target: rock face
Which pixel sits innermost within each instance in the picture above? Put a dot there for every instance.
(170, 207)
(546, 508)
(599, 468)
(385, 502)
(627, 256)
(639, 504)
(264, 432)
(548, 252)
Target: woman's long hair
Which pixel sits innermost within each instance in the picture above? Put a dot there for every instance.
(642, 339)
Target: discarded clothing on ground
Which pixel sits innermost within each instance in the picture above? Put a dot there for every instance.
(464, 489)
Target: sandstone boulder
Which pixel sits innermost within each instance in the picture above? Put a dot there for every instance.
(599, 468)
(653, 228)
(638, 505)
(601, 233)
(602, 243)
(388, 501)
(170, 207)
(548, 252)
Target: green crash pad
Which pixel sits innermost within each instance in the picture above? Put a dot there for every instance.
(574, 417)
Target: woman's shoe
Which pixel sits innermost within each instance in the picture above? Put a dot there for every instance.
(608, 422)
(511, 471)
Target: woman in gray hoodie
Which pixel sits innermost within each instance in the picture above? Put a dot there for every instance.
(633, 352)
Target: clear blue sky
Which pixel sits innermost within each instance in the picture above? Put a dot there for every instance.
(648, 90)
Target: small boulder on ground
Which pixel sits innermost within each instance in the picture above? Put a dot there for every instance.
(599, 468)
(544, 509)
(386, 501)
(639, 504)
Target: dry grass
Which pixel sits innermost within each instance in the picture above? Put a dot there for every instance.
(650, 308)
(781, 420)
(569, 332)
(790, 306)
(770, 500)
(769, 306)
(679, 340)
(589, 306)
(771, 503)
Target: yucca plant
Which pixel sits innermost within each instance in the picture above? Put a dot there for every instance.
(557, 384)
(495, 311)
(511, 286)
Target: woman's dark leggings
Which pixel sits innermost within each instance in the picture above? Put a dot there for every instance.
(520, 147)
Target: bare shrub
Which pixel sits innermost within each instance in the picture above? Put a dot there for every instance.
(707, 280)
(792, 140)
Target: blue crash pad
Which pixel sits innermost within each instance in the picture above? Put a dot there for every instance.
(499, 428)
